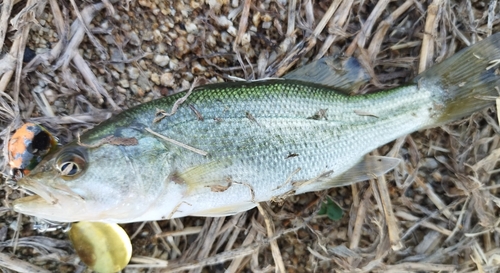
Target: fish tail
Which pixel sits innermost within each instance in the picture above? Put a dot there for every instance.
(467, 82)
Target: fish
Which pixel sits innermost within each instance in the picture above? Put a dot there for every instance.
(220, 149)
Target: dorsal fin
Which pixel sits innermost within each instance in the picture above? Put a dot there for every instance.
(342, 74)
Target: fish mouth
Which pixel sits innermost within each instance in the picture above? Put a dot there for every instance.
(38, 189)
(48, 202)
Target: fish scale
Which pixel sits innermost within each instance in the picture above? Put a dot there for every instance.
(264, 140)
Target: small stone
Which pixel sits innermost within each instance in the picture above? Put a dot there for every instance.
(14, 225)
(161, 60)
(145, 3)
(133, 72)
(124, 83)
(134, 39)
(211, 41)
(137, 90)
(155, 78)
(223, 21)
(158, 36)
(173, 64)
(225, 37)
(167, 79)
(185, 85)
(194, 4)
(50, 95)
(121, 90)
(182, 46)
(115, 74)
(144, 66)
(144, 83)
(117, 58)
(161, 48)
(126, 27)
(256, 19)
(197, 68)
(246, 39)
(148, 36)
(191, 28)
(430, 163)
(232, 31)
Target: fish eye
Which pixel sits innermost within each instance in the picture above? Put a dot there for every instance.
(69, 168)
(71, 162)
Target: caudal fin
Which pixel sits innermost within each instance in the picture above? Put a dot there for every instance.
(467, 78)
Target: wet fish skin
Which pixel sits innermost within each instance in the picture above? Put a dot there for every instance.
(249, 132)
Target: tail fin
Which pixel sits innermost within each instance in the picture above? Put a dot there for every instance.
(467, 78)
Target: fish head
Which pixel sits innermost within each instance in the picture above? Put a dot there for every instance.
(80, 183)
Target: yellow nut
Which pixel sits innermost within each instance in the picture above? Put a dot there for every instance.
(103, 247)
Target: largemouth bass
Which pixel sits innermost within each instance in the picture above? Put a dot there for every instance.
(228, 146)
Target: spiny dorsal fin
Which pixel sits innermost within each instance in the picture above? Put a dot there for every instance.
(342, 74)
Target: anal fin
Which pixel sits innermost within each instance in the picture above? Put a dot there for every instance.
(369, 167)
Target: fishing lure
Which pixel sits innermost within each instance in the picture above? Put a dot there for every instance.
(27, 147)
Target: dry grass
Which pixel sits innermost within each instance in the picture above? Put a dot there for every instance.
(436, 212)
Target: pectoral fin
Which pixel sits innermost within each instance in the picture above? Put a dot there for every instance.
(369, 167)
(345, 75)
(201, 176)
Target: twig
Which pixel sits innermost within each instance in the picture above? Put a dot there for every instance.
(175, 142)
(161, 114)
(92, 80)
(337, 21)
(91, 36)
(366, 30)
(427, 50)
(183, 232)
(420, 222)
(303, 47)
(383, 27)
(4, 20)
(13, 263)
(360, 218)
(392, 225)
(112, 140)
(435, 199)
(275, 250)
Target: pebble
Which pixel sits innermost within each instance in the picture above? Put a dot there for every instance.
(133, 72)
(161, 60)
(155, 78)
(50, 95)
(117, 58)
(134, 39)
(182, 46)
(430, 163)
(161, 48)
(232, 31)
(124, 83)
(143, 82)
(148, 36)
(191, 28)
(167, 79)
(197, 68)
(137, 90)
(173, 64)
